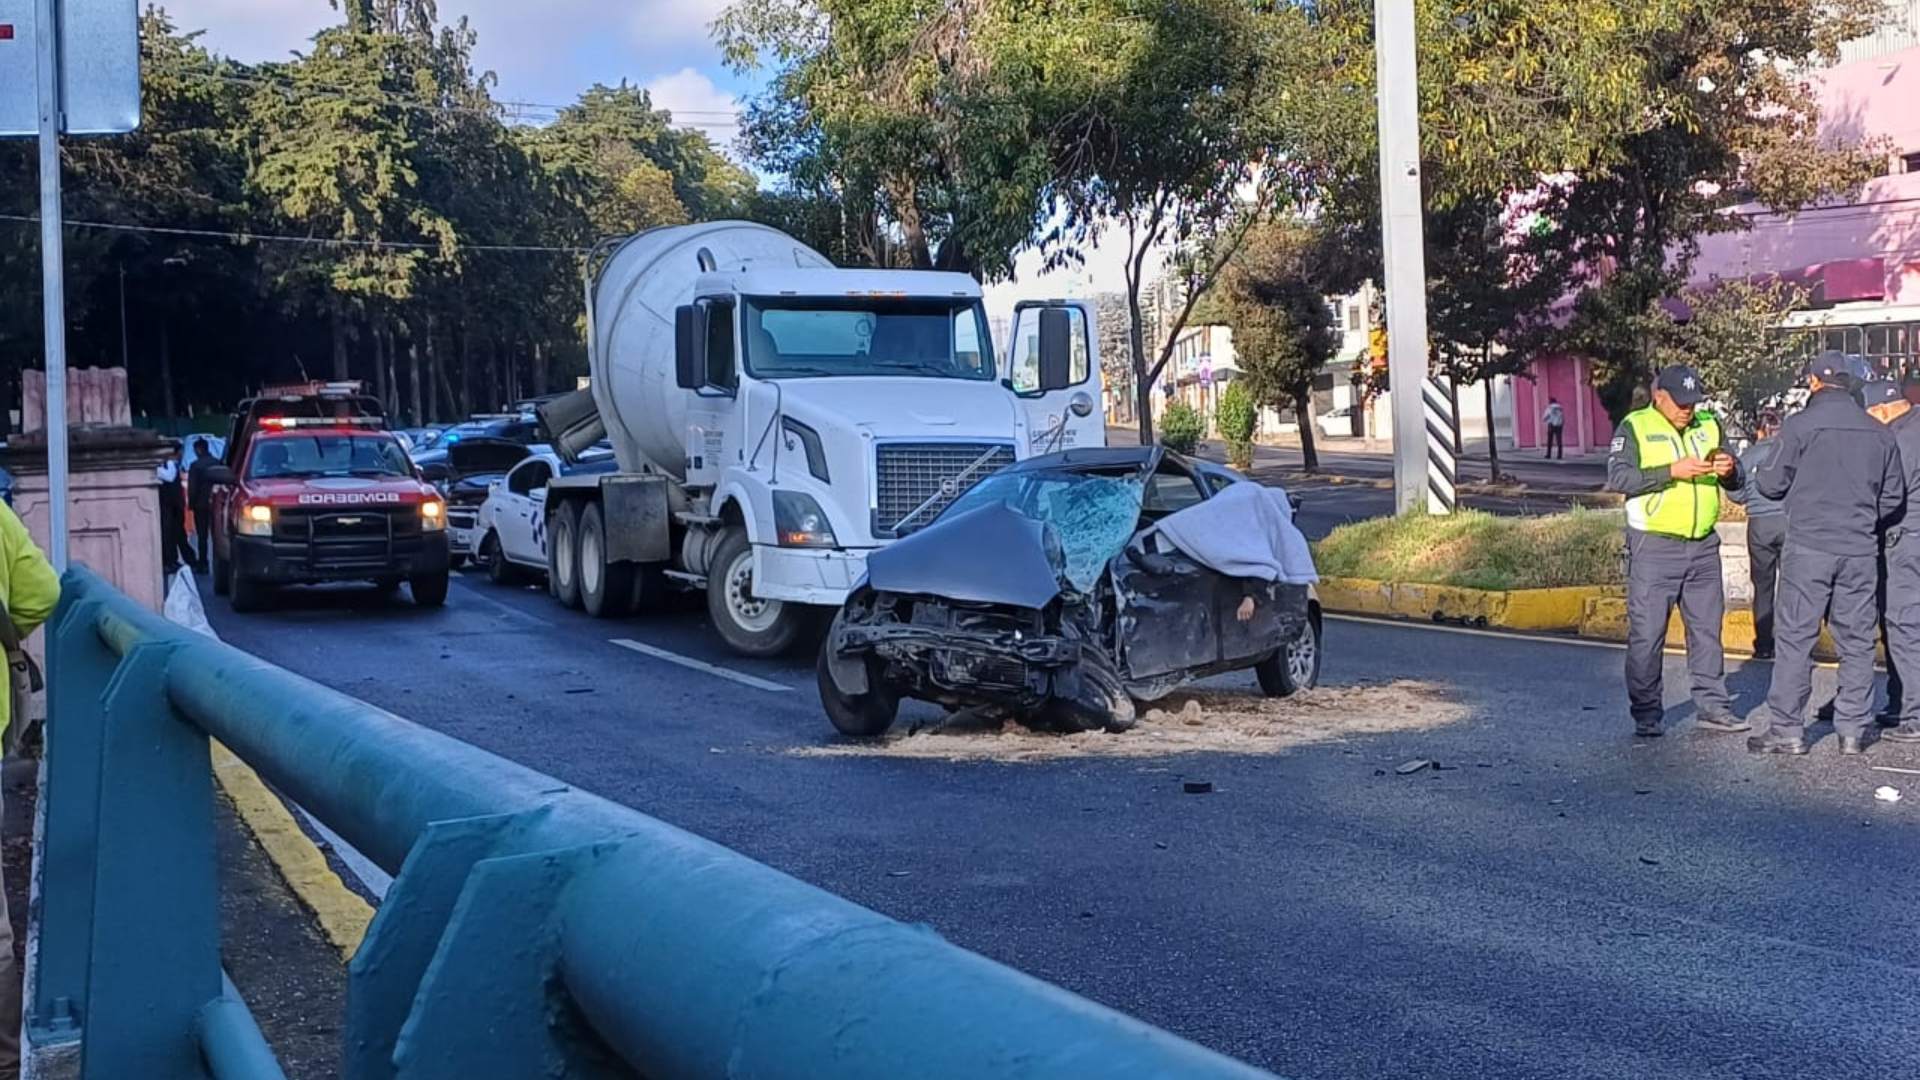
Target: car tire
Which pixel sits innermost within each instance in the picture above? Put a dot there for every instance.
(1296, 667)
(563, 554)
(245, 594)
(429, 590)
(606, 586)
(218, 572)
(499, 570)
(858, 716)
(1102, 703)
(749, 626)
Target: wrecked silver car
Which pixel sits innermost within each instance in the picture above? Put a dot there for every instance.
(1063, 589)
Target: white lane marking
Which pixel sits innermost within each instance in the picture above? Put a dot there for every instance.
(701, 665)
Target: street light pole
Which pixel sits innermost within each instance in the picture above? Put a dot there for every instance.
(53, 282)
(1422, 465)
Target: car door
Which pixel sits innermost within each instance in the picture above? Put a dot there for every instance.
(1169, 604)
(522, 505)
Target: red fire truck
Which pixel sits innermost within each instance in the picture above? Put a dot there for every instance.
(315, 489)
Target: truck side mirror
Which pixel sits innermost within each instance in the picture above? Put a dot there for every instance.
(690, 346)
(220, 475)
(1056, 349)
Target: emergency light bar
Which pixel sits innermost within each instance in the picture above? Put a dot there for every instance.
(295, 391)
(286, 422)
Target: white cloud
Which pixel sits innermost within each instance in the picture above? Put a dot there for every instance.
(676, 22)
(697, 103)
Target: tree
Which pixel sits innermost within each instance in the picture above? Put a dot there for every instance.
(1732, 335)
(1282, 328)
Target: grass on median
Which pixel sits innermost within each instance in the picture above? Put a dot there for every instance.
(1477, 550)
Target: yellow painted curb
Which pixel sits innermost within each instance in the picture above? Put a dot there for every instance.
(342, 914)
(1563, 609)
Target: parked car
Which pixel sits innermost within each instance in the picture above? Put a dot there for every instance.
(1337, 424)
(464, 478)
(515, 428)
(1064, 588)
(511, 532)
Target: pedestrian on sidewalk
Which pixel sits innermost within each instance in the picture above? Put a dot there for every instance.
(1555, 419)
(30, 590)
(1671, 461)
(173, 514)
(200, 501)
(1840, 474)
(1766, 531)
(1899, 592)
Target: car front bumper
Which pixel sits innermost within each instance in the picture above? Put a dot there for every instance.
(280, 562)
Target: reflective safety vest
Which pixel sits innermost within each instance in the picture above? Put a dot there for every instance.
(1687, 509)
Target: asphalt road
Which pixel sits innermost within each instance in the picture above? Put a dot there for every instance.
(1562, 903)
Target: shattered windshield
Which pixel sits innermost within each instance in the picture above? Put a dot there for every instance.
(1092, 517)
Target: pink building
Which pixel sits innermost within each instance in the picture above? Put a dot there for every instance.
(1859, 259)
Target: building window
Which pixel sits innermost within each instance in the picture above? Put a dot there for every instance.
(1911, 163)
(1339, 320)
(1356, 317)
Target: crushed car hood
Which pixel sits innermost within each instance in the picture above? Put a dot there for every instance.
(475, 456)
(992, 555)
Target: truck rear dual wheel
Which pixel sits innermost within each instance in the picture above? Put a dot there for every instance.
(748, 624)
(606, 587)
(563, 554)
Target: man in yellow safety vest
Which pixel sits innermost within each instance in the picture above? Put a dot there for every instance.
(1670, 460)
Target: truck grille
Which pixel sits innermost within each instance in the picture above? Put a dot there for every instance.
(347, 538)
(915, 481)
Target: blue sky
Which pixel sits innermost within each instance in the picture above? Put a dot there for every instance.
(544, 51)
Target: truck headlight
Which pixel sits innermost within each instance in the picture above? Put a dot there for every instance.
(433, 515)
(256, 519)
(800, 521)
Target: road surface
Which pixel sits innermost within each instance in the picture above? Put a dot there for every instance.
(1557, 901)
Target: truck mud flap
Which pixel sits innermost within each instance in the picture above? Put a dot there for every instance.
(639, 519)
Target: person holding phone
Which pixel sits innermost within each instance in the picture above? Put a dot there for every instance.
(1671, 461)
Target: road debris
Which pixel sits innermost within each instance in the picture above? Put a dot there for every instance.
(1197, 787)
(1408, 768)
(1233, 722)
(1894, 769)
(1887, 794)
(1649, 860)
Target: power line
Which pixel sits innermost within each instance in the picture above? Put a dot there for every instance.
(316, 241)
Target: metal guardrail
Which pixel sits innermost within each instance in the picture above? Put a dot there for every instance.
(532, 929)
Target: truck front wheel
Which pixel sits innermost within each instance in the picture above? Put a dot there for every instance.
(429, 590)
(563, 554)
(606, 586)
(246, 594)
(750, 625)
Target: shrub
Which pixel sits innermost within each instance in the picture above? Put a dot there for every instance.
(1478, 550)
(1237, 416)
(1180, 428)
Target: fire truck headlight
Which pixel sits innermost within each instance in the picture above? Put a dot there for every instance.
(433, 515)
(256, 520)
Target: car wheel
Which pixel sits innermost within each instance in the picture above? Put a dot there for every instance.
(563, 554)
(1296, 667)
(1102, 702)
(499, 570)
(246, 594)
(429, 590)
(606, 586)
(749, 625)
(859, 716)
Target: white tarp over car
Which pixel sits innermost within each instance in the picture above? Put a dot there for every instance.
(1245, 531)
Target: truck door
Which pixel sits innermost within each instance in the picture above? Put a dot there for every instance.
(1060, 419)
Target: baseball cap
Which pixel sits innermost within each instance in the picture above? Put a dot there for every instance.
(1882, 393)
(1682, 383)
(1832, 367)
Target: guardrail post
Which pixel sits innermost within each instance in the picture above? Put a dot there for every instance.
(387, 969)
(155, 959)
(76, 716)
(500, 959)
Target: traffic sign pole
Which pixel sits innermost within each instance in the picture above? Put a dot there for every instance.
(53, 281)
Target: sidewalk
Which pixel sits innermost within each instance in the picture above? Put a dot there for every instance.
(1358, 460)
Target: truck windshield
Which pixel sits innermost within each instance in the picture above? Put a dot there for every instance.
(328, 455)
(799, 338)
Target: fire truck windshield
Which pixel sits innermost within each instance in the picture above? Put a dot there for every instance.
(328, 455)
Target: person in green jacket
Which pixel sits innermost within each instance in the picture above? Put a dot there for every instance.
(30, 590)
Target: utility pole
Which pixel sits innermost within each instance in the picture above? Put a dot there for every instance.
(1423, 466)
(53, 282)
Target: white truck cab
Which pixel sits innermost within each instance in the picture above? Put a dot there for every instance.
(781, 418)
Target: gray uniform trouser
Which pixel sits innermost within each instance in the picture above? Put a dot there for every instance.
(1842, 588)
(1900, 621)
(1663, 571)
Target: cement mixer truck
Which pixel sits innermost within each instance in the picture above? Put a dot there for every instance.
(775, 418)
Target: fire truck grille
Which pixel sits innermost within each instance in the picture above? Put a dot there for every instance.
(336, 539)
(915, 481)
